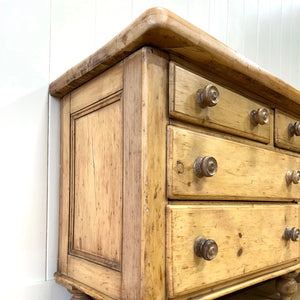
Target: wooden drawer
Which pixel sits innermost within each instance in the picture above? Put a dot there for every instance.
(231, 114)
(244, 172)
(284, 138)
(249, 239)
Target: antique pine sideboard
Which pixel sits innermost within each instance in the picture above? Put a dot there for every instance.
(178, 169)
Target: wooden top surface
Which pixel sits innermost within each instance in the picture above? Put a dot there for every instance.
(160, 28)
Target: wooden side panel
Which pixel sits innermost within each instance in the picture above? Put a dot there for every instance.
(96, 189)
(231, 114)
(282, 137)
(145, 140)
(101, 279)
(249, 239)
(98, 88)
(64, 189)
(244, 172)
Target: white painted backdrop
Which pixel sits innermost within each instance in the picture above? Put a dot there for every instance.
(39, 40)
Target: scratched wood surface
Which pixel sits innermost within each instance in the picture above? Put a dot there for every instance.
(90, 236)
(244, 172)
(96, 227)
(281, 133)
(125, 256)
(99, 278)
(231, 114)
(244, 247)
(163, 29)
(145, 121)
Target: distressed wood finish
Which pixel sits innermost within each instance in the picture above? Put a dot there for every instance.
(132, 173)
(161, 28)
(244, 247)
(91, 185)
(101, 279)
(244, 172)
(145, 181)
(98, 88)
(282, 137)
(96, 185)
(155, 120)
(231, 114)
(123, 164)
(70, 283)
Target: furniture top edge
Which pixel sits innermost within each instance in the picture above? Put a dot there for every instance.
(160, 28)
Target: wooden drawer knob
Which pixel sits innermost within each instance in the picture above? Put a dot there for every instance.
(292, 177)
(208, 96)
(294, 129)
(292, 233)
(260, 116)
(207, 249)
(205, 166)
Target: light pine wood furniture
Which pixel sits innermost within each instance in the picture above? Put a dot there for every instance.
(178, 168)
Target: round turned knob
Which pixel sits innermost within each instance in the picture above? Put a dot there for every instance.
(294, 129)
(292, 233)
(205, 166)
(207, 249)
(293, 177)
(260, 116)
(208, 96)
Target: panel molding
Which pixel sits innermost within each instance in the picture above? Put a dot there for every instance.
(99, 259)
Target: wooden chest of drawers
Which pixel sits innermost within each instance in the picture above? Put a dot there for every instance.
(179, 169)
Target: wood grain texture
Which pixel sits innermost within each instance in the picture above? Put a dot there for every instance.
(91, 193)
(244, 172)
(64, 185)
(227, 136)
(238, 284)
(118, 248)
(145, 121)
(247, 244)
(70, 283)
(98, 88)
(161, 28)
(154, 162)
(96, 186)
(103, 280)
(231, 114)
(282, 137)
(132, 189)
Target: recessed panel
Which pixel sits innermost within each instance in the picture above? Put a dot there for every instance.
(96, 210)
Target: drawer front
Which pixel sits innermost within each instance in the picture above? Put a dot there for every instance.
(287, 131)
(231, 114)
(249, 239)
(244, 172)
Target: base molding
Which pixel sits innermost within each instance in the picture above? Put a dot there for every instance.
(285, 284)
(74, 285)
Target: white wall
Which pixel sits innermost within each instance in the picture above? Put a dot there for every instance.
(39, 40)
